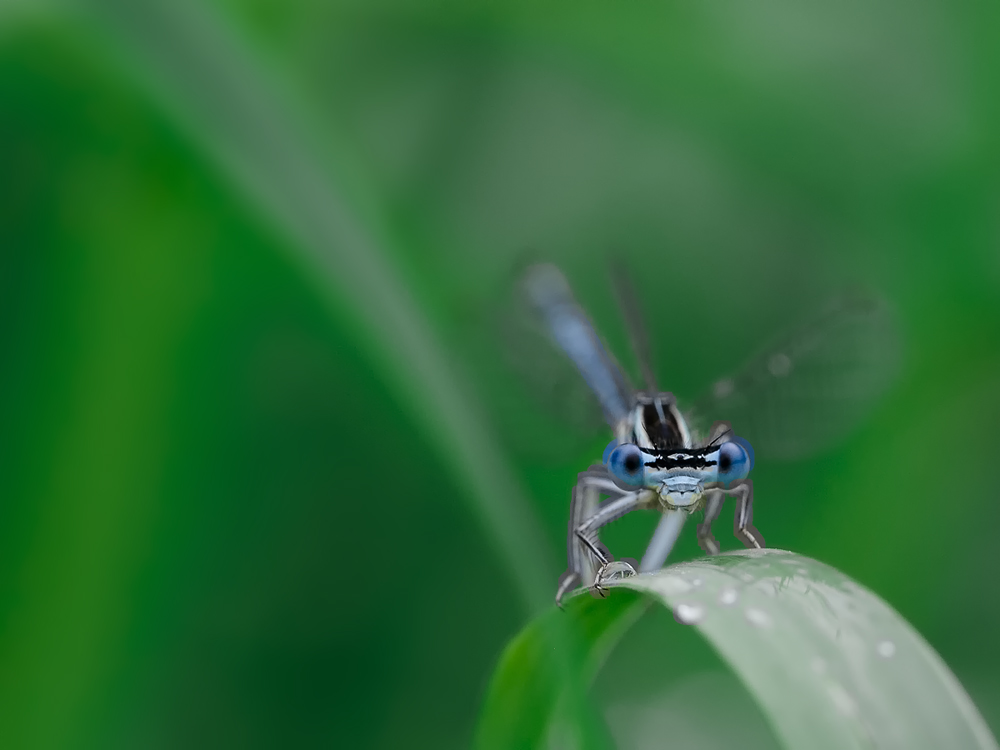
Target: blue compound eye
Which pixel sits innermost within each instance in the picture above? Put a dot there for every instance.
(747, 447)
(735, 460)
(607, 451)
(626, 463)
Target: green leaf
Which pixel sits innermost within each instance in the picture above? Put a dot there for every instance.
(829, 663)
(534, 688)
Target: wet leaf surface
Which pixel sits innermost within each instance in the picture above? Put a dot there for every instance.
(829, 663)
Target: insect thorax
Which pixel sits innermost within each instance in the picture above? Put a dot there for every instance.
(658, 423)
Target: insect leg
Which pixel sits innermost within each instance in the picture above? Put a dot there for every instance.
(590, 485)
(713, 504)
(608, 511)
(663, 540)
(743, 523)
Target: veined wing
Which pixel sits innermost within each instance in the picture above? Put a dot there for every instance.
(635, 323)
(811, 387)
(569, 328)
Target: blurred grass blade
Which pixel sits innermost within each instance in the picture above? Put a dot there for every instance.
(830, 664)
(216, 88)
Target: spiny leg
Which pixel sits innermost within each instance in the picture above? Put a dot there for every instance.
(743, 522)
(611, 510)
(585, 501)
(713, 504)
(590, 486)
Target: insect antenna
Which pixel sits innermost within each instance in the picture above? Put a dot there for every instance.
(725, 433)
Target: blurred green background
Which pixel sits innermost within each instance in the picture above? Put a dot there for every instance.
(223, 523)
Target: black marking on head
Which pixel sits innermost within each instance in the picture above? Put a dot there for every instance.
(693, 458)
(662, 434)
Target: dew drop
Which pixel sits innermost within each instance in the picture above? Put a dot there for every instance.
(758, 617)
(818, 665)
(729, 596)
(886, 649)
(802, 572)
(689, 614)
(747, 578)
(696, 582)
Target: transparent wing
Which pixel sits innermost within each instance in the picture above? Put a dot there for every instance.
(635, 322)
(563, 323)
(545, 381)
(811, 387)
(540, 402)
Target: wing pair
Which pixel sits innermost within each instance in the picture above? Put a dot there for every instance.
(801, 393)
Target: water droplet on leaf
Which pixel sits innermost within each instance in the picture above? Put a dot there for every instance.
(689, 614)
(729, 596)
(758, 617)
(886, 649)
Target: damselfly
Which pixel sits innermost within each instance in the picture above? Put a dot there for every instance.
(807, 389)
